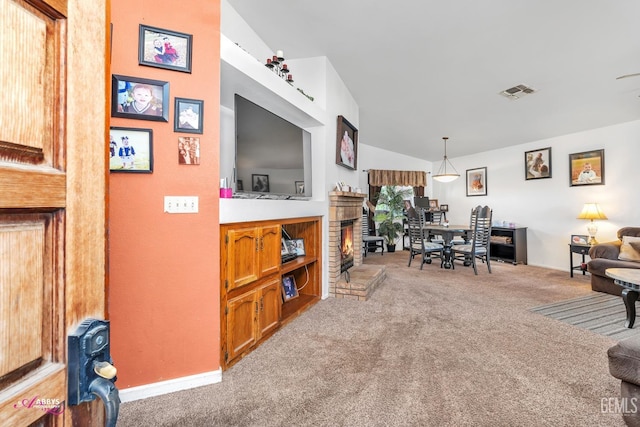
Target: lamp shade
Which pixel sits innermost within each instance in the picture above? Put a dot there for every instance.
(591, 211)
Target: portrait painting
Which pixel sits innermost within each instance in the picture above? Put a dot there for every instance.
(586, 168)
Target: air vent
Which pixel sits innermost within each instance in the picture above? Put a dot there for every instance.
(517, 92)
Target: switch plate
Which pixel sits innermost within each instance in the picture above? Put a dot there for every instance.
(181, 204)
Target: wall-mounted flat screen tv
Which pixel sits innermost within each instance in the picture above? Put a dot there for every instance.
(273, 156)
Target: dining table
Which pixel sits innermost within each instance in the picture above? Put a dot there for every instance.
(448, 232)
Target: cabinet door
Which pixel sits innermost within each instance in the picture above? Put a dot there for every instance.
(242, 256)
(241, 324)
(269, 305)
(270, 255)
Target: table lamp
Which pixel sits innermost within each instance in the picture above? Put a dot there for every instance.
(592, 211)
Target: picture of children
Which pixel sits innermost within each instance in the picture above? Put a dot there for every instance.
(131, 150)
(188, 116)
(127, 154)
(141, 100)
(188, 150)
(588, 175)
(164, 49)
(538, 164)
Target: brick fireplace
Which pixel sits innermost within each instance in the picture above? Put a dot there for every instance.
(345, 206)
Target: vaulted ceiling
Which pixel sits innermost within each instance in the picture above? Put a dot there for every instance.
(421, 70)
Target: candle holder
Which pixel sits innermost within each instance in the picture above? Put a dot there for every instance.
(277, 65)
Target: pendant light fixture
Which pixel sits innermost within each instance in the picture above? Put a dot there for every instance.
(443, 175)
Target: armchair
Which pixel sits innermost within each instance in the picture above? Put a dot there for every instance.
(607, 255)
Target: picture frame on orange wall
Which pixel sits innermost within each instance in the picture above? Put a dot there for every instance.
(131, 150)
(162, 48)
(138, 98)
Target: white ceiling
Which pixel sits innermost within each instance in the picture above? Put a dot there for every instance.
(421, 70)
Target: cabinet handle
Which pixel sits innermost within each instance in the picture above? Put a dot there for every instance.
(257, 247)
(261, 303)
(261, 243)
(256, 307)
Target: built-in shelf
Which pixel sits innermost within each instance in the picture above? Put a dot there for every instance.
(243, 74)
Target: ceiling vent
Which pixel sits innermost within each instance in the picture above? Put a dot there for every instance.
(517, 92)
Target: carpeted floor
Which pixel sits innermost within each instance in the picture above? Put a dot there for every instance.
(597, 312)
(430, 348)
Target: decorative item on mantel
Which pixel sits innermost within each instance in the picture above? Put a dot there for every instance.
(276, 63)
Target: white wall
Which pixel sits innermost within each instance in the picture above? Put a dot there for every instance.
(549, 207)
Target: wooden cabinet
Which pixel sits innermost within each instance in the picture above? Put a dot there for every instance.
(252, 252)
(510, 244)
(252, 306)
(252, 315)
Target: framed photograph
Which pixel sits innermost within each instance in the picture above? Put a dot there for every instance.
(579, 239)
(586, 168)
(131, 150)
(299, 185)
(537, 163)
(239, 185)
(284, 248)
(137, 98)
(477, 182)
(433, 204)
(289, 289)
(347, 144)
(260, 183)
(189, 150)
(164, 49)
(188, 115)
(444, 208)
(291, 246)
(299, 247)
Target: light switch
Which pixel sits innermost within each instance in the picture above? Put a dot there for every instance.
(181, 204)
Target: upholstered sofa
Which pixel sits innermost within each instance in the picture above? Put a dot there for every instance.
(614, 255)
(624, 364)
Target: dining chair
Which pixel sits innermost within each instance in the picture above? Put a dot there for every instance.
(369, 241)
(418, 245)
(478, 248)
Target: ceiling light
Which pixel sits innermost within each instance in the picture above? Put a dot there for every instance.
(443, 175)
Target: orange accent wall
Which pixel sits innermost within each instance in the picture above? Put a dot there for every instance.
(164, 269)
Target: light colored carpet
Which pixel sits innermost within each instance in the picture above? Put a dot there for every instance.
(597, 312)
(430, 348)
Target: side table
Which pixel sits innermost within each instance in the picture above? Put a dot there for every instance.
(629, 280)
(583, 250)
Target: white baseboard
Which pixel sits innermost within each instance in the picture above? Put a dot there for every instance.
(170, 386)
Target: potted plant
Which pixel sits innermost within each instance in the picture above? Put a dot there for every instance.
(389, 214)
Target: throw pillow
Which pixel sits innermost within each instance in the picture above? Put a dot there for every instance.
(630, 249)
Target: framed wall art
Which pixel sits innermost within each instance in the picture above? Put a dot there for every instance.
(537, 163)
(477, 182)
(444, 208)
(131, 150)
(188, 115)
(347, 144)
(164, 49)
(260, 183)
(586, 168)
(137, 98)
(289, 289)
(189, 150)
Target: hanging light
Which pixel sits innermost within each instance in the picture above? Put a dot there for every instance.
(443, 175)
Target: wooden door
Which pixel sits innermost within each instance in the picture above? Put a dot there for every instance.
(243, 248)
(52, 199)
(270, 254)
(241, 324)
(270, 304)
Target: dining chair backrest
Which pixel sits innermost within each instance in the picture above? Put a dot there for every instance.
(481, 226)
(415, 231)
(436, 217)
